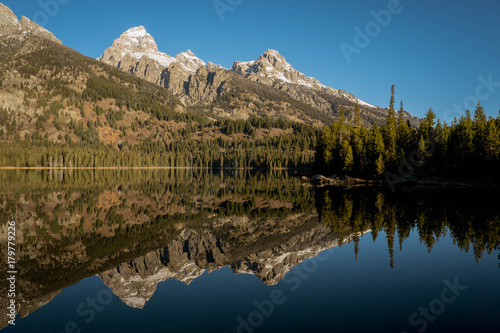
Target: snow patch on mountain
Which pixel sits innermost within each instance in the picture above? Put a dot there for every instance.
(189, 61)
(273, 66)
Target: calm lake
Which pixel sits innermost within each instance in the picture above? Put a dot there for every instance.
(239, 251)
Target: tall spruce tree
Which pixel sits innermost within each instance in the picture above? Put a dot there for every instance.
(390, 131)
(427, 125)
(348, 158)
(404, 134)
(377, 147)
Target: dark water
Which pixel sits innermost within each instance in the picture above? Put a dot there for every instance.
(197, 251)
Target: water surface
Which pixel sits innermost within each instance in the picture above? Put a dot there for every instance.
(200, 251)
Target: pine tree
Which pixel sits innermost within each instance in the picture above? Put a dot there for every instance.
(348, 159)
(403, 133)
(480, 134)
(427, 125)
(376, 148)
(379, 166)
(401, 119)
(491, 141)
(357, 117)
(391, 103)
(357, 140)
(324, 150)
(376, 144)
(422, 149)
(341, 126)
(390, 131)
(461, 142)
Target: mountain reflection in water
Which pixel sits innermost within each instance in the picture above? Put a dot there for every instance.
(138, 228)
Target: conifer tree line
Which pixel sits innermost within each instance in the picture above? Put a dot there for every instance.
(474, 227)
(239, 148)
(468, 148)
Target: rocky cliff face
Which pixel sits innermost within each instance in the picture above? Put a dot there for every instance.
(202, 87)
(186, 75)
(10, 25)
(135, 51)
(25, 307)
(30, 27)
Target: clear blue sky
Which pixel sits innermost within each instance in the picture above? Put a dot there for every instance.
(433, 51)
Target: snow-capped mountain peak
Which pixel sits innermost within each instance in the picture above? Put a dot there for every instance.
(189, 61)
(137, 44)
(136, 38)
(139, 31)
(272, 68)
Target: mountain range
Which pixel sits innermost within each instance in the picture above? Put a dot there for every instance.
(135, 97)
(195, 82)
(136, 51)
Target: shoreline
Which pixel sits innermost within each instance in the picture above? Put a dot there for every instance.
(139, 168)
(407, 183)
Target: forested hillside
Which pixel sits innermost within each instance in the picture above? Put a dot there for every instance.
(62, 109)
(466, 149)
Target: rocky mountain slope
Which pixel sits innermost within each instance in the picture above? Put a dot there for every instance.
(272, 69)
(11, 26)
(198, 84)
(57, 99)
(50, 93)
